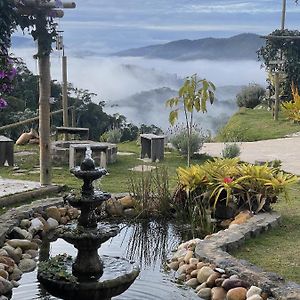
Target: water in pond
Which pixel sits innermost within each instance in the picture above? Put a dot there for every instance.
(149, 243)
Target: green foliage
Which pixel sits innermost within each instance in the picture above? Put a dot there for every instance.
(292, 109)
(192, 97)
(289, 50)
(249, 125)
(151, 191)
(250, 96)
(111, 136)
(231, 150)
(180, 141)
(248, 186)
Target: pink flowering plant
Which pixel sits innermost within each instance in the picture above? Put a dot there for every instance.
(7, 75)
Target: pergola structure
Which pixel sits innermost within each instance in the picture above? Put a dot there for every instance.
(41, 11)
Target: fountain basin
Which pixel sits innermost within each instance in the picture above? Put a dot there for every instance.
(56, 276)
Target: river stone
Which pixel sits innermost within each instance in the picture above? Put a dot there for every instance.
(190, 269)
(2, 266)
(194, 273)
(36, 225)
(53, 212)
(193, 282)
(181, 277)
(63, 211)
(205, 293)
(4, 274)
(7, 261)
(19, 233)
(3, 252)
(15, 283)
(23, 244)
(73, 213)
(114, 208)
(32, 253)
(127, 202)
(63, 220)
(231, 283)
(219, 281)
(174, 265)
(129, 212)
(2, 297)
(25, 223)
(13, 253)
(16, 274)
(200, 287)
(201, 264)
(5, 286)
(255, 297)
(211, 279)
(204, 273)
(193, 261)
(27, 265)
(188, 256)
(254, 290)
(219, 270)
(218, 293)
(52, 223)
(27, 256)
(238, 293)
(179, 254)
(182, 269)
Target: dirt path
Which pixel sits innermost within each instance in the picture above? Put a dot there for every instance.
(285, 149)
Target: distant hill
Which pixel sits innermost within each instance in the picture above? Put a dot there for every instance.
(242, 46)
(148, 107)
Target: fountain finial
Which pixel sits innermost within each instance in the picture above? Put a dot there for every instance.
(88, 163)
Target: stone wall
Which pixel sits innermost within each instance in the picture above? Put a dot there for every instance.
(12, 217)
(215, 248)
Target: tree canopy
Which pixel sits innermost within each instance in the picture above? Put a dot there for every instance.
(286, 50)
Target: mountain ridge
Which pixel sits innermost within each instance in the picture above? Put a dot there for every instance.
(238, 47)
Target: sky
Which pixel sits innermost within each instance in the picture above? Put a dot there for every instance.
(97, 28)
(106, 26)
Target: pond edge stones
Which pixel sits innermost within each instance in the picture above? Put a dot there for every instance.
(217, 275)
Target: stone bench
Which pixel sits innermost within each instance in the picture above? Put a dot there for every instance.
(102, 153)
(6, 151)
(83, 132)
(152, 146)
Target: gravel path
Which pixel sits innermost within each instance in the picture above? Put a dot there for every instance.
(285, 149)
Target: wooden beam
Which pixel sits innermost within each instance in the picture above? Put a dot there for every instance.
(31, 120)
(28, 11)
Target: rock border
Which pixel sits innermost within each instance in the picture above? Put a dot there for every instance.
(214, 249)
(12, 217)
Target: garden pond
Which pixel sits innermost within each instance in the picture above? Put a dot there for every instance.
(149, 243)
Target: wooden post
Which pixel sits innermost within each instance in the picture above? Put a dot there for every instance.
(65, 92)
(276, 107)
(283, 14)
(44, 120)
(73, 117)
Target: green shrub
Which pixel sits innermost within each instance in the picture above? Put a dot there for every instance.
(111, 136)
(231, 150)
(180, 141)
(250, 96)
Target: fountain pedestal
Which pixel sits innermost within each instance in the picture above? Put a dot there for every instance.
(87, 276)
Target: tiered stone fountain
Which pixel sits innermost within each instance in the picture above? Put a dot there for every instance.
(87, 276)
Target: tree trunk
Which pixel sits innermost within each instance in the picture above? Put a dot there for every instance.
(44, 120)
(276, 106)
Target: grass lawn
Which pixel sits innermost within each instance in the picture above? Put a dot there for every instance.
(249, 125)
(119, 173)
(279, 249)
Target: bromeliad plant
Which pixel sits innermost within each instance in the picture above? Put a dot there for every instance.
(227, 180)
(292, 108)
